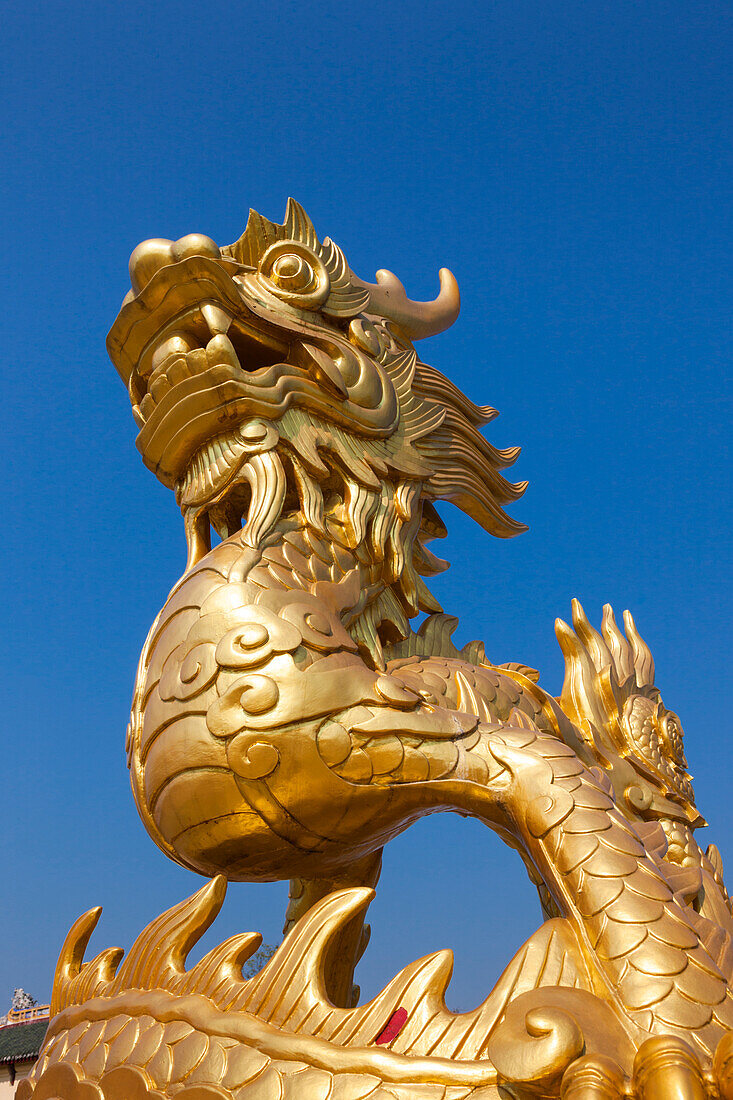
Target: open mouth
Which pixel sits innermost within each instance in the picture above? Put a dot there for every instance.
(200, 339)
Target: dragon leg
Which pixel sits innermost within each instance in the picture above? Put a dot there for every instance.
(352, 940)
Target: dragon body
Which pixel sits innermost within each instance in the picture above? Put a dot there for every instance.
(287, 720)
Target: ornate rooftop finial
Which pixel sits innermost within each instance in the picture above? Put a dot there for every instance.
(21, 1000)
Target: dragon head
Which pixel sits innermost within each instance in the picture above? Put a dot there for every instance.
(266, 377)
(609, 692)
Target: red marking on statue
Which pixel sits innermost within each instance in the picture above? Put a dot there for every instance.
(396, 1022)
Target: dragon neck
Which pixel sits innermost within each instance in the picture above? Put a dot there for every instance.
(375, 528)
(358, 580)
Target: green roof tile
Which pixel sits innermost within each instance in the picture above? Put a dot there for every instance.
(18, 1042)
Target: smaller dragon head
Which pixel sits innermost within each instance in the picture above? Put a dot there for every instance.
(609, 692)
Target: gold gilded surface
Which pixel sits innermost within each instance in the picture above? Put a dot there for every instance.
(288, 721)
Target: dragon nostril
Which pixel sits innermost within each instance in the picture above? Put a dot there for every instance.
(147, 258)
(196, 244)
(151, 255)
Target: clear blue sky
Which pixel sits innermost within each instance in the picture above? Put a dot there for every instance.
(570, 161)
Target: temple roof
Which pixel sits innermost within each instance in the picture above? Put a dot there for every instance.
(19, 1042)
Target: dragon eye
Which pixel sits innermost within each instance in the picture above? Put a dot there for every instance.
(291, 272)
(295, 274)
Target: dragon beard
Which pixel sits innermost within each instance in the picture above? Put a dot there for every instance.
(246, 480)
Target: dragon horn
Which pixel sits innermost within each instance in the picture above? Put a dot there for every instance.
(388, 298)
(643, 660)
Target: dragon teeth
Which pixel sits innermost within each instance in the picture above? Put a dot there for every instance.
(177, 371)
(220, 350)
(178, 344)
(158, 387)
(217, 319)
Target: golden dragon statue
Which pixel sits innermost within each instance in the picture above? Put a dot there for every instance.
(288, 721)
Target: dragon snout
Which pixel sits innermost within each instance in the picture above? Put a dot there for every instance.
(157, 252)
